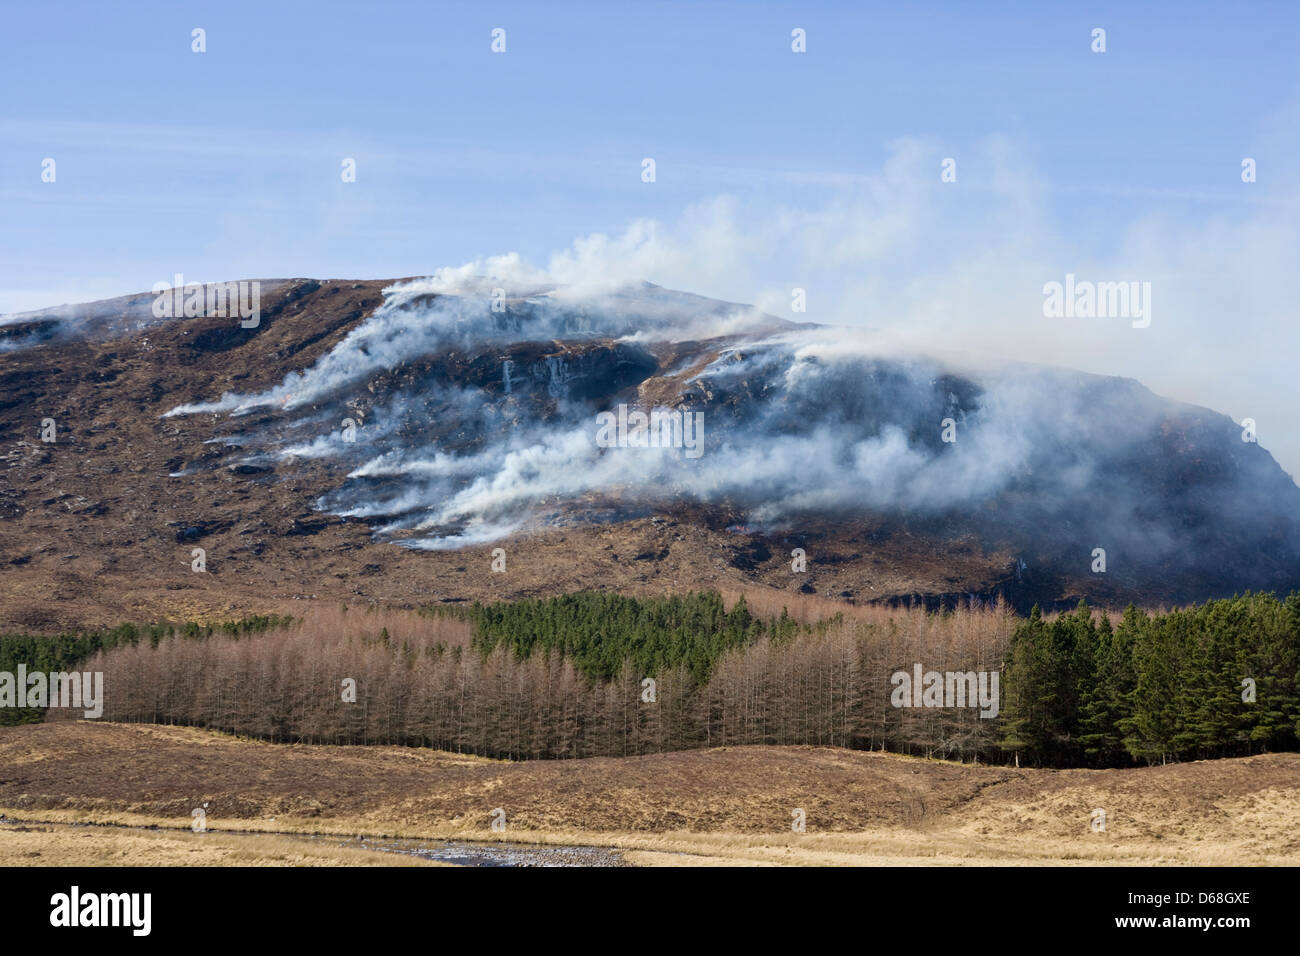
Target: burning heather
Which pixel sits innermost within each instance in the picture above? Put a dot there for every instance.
(459, 414)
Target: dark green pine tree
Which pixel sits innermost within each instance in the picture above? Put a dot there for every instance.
(1154, 722)
(1271, 655)
(1077, 647)
(1032, 692)
(1107, 702)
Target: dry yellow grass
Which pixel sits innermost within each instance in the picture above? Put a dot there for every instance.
(37, 844)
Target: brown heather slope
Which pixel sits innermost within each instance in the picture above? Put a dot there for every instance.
(97, 528)
(727, 803)
(94, 532)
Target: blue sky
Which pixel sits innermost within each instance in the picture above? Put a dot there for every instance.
(774, 169)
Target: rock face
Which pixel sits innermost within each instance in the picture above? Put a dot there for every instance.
(376, 440)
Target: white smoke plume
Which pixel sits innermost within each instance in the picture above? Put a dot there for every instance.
(797, 421)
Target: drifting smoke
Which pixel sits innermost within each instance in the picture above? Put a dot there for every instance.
(477, 403)
(420, 318)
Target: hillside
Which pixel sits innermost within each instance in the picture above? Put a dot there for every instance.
(474, 428)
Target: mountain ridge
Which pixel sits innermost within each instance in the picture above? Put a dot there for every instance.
(475, 430)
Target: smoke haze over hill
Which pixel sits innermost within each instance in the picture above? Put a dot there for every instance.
(475, 413)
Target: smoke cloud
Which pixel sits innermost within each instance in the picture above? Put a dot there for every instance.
(481, 399)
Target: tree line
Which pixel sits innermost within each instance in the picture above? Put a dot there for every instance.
(63, 652)
(576, 676)
(1218, 680)
(608, 675)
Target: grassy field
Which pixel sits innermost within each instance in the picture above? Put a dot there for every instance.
(725, 805)
(40, 844)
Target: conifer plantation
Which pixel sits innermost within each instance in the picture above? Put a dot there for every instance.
(593, 674)
(1218, 680)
